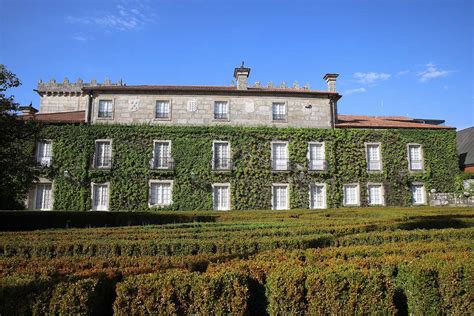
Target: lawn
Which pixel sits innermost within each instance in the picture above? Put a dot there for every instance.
(363, 261)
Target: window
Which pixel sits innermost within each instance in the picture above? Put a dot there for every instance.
(351, 195)
(100, 197)
(279, 154)
(374, 161)
(43, 196)
(317, 196)
(221, 196)
(418, 193)
(316, 156)
(160, 193)
(280, 197)
(103, 154)
(279, 111)
(44, 152)
(375, 192)
(106, 108)
(162, 110)
(162, 155)
(221, 110)
(221, 155)
(415, 157)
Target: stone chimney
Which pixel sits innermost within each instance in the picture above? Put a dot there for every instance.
(241, 74)
(331, 81)
(28, 110)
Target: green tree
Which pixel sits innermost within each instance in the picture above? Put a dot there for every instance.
(17, 166)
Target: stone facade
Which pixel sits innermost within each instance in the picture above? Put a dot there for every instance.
(199, 110)
(194, 105)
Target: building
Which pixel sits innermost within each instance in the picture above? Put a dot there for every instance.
(228, 147)
(465, 141)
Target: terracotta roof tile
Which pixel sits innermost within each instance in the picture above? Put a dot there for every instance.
(363, 121)
(58, 117)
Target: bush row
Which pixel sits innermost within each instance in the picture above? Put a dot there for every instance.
(31, 220)
(278, 283)
(111, 248)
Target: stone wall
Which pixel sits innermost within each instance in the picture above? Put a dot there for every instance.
(198, 110)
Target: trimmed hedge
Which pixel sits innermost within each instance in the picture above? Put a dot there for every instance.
(23, 295)
(32, 220)
(183, 293)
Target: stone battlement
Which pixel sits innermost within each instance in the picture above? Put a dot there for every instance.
(66, 87)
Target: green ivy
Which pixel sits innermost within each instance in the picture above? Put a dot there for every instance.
(252, 177)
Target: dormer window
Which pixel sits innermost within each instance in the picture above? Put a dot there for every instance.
(106, 108)
(221, 110)
(279, 111)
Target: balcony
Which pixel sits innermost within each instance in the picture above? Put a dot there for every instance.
(374, 165)
(280, 164)
(222, 164)
(166, 163)
(101, 162)
(317, 165)
(416, 165)
(44, 161)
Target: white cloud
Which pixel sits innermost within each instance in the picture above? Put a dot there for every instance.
(371, 77)
(127, 16)
(432, 72)
(356, 90)
(403, 72)
(79, 38)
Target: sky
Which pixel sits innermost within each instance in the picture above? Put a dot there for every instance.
(408, 58)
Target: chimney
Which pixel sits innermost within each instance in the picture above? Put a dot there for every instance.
(331, 81)
(241, 74)
(28, 110)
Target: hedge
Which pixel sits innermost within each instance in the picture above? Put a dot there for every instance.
(32, 220)
(252, 178)
(183, 293)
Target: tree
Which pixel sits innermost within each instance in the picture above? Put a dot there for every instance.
(17, 139)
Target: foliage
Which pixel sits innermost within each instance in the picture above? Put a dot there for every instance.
(17, 165)
(372, 261)
(252, 177)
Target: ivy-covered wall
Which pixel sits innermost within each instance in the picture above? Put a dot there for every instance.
(252, 177)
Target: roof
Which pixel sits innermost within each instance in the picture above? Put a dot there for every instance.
(58, 117)
(363, 121)
(213, 90)
(465, 140)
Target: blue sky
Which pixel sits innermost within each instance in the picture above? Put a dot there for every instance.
(410, 58)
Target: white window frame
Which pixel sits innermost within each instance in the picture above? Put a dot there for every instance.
(382, 194)
(311, 205)
(367, 157)
(44, 161)
(153, 181)
(422, 185)
(308, 155)
(357, 203)
(229, 154)
(93, 185)
(96, 152)
(154, 158)
(285, 114)
(51, 200)
(274, 165)
(287, 186)
(214, 203)
(227, 113)
(111, 117)
(421, 158)
(166, 118)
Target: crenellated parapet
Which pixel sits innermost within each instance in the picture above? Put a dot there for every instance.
(66, 87)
